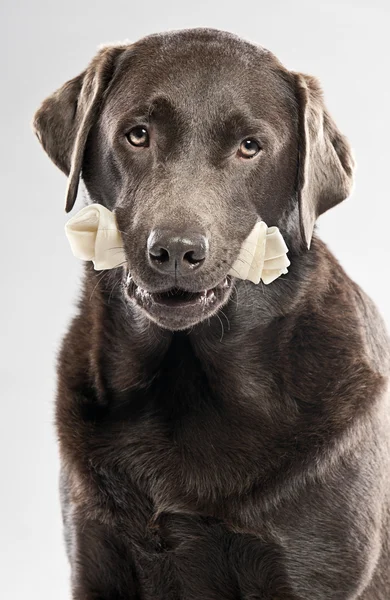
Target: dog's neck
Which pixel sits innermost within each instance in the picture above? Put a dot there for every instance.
(129, 350)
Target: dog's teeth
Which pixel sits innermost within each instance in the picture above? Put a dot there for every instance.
(141, 292)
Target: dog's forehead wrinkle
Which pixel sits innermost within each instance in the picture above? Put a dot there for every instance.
(197, 65)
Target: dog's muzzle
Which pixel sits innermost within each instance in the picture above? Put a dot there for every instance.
(93, 235)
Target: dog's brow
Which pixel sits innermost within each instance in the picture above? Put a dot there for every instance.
(139, 112)
(236, 125)
(237, 122)
(161, 106)
(157, 108)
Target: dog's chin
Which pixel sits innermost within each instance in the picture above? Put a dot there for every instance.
(176, 308)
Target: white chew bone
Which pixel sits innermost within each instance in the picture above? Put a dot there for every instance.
(249, 263)
(93, 235)
(263, 255)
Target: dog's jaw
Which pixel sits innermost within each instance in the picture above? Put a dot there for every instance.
(176, 308)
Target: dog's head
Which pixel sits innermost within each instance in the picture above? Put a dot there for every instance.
(190, 137)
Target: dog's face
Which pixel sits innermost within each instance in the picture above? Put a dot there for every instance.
(190, 137)
(189, 148)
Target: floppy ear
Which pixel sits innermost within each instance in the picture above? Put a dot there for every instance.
(63, 121)
(326, 165)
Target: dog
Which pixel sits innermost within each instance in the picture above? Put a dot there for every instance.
(218, 439)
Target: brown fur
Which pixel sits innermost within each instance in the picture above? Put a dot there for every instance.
(243, 455)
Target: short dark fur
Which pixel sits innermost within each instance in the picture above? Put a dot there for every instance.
(246, 454)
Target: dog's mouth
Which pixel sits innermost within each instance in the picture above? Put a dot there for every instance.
(177, 308)
(178, 297)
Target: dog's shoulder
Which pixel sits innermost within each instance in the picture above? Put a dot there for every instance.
(335, 345)
(374, 332)
(340, 308)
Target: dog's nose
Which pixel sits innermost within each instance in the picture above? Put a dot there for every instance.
(172, 252)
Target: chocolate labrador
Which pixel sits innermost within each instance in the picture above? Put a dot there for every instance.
(219, 439)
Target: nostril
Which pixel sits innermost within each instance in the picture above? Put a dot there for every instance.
(160, 255)
(169, 251)
(192, 258)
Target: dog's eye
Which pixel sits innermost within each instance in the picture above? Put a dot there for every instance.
(249, 148)
(138, 136)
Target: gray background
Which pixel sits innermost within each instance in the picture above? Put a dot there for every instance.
(44, 43)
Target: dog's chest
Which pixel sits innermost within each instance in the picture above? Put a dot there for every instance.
(192, 437)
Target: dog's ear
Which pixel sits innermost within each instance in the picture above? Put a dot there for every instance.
(63, 121)
(325, 175)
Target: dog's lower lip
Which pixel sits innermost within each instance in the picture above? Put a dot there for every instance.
(180, 298)
(177, 298)
(178, 309)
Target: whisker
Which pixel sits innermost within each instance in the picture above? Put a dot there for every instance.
(100, 277)
(235, 290)
(246, 292)
(228, 322)
(113, 229)
(232, 269)
(244, 261)
(105, 273)
(112, 290)
(121, 264)
(223, 331)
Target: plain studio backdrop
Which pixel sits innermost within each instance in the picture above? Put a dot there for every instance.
(45, 43)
